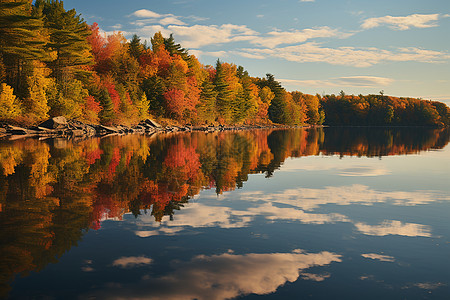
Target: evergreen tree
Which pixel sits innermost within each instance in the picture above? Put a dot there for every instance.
(278, 105)
(224, 94)
(22, 39)
(157, 41)
(107, 114)
(169, 44)
(207, 106)
(2, 70)
(135, 48)
(154, 90)
(249, 102)
(68, 38)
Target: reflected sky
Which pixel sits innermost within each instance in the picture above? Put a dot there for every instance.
(222, 276)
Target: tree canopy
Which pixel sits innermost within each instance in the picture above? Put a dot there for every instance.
(53, 63)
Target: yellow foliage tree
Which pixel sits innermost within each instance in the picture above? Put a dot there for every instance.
(39, 84)
(143, 105)
(9, 105)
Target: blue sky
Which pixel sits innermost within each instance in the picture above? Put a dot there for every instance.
(315, 46)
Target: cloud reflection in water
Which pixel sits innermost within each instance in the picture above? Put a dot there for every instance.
(224, 276)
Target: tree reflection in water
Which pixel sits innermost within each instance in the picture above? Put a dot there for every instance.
(52, 192)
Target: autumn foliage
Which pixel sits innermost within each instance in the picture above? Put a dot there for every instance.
(53, 63)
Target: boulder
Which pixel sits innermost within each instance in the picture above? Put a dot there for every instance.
(55, 123)
(152, 123)
(108, 129)
(76, 132)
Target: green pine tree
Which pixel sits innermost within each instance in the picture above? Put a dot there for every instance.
(68, 33)
(172, 48)
(135, 48)
(278, 106)
(207, 106)
(22, 39)
(224, 95)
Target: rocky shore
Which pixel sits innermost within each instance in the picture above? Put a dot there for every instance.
(59, 127)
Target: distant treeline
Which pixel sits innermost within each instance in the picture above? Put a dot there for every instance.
(53, 63)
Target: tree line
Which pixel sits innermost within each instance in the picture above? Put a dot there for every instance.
(53, 63)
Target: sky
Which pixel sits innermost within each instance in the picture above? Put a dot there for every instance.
(399, 47)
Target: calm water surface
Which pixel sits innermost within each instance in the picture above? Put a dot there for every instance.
(269, 214)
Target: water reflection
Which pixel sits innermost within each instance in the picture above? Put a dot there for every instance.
(223, 276)
(52, 192)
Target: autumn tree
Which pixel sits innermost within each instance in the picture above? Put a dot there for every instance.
(68, 38)
(22, 39)
(40, 87)
(9, 104)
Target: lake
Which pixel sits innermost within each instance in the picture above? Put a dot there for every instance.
(326, 213)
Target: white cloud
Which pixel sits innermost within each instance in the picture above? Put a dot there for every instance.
(117, 27)
(379, 257)
(309, 82)
(224, 276)
(131, 261)
(248, 55)
(349, 56)
(146, 233)
(171, 21)
(360, 171)
(364, 81)
(272, 212)
(87, 267)
(349, 81)
(145, 13)
(429, 285)
(403, 23)
(274, 38)
(310, 199)
(160, 231)
(153, 17)
(393, 227)
(315, 277)
(196, 18)
(307, 0)
(149, 30)
(196, 215)
(201, 35)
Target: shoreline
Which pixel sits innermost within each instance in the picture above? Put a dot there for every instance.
(59, 127)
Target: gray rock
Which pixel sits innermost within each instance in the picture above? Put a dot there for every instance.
(76, 132)
(55, 123)
(152, 123)
(108, 129)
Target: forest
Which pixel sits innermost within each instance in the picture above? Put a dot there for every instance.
(52, 63)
